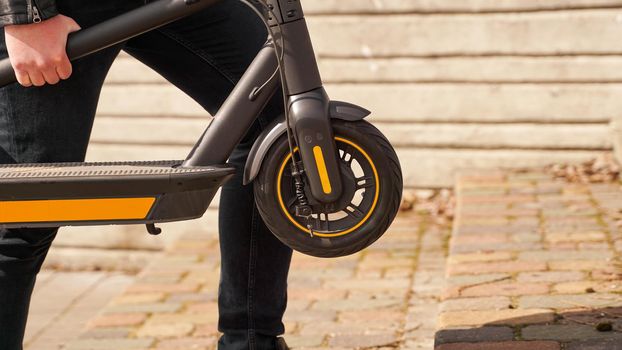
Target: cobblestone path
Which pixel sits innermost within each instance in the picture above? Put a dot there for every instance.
(534, 264)
(384, 297)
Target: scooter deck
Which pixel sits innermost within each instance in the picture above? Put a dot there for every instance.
(83, 194)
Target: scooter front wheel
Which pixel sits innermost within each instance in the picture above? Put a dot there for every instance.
(372, 190)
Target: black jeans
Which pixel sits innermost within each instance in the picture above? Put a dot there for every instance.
(204, 55)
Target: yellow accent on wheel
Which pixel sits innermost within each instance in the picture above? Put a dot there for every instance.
(321, 169)
(340, 233)
(68, 210)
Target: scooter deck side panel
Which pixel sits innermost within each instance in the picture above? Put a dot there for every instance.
(78, 194)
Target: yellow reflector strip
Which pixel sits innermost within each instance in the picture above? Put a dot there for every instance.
(321, 168)
(66, 210)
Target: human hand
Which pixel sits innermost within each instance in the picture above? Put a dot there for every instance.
(38, 50)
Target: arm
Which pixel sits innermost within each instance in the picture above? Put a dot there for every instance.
(36, 37)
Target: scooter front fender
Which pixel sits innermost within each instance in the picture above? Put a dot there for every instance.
(337, 109)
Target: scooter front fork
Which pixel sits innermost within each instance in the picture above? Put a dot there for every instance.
(310, 120)
(308, 103)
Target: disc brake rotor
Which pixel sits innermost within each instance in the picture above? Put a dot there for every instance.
(352, 209)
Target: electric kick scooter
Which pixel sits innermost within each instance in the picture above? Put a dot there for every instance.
(327, 183)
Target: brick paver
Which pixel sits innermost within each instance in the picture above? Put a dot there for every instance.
(534, 263)
(64, 301)
(384, 297)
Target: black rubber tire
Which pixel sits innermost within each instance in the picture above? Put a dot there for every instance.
(389, 172)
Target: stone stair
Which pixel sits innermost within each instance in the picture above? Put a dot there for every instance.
(437, 128)
(534, 263)
(453, 84)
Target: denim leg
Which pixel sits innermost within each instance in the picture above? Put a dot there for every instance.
(255, 265)
(45, 124)
(21, 254)
(205, 55)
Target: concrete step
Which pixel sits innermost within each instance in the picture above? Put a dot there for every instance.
(126, 69)
(109, 258)
(148, 100)
(422, 167)
(437, 167)
(186, 131)
(447, 6)
(539, 103)
(498, 136)
(128, 237)
(437, 102)
(571, 69)
(534, 33)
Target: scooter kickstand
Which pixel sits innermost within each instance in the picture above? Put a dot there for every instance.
(153, 230)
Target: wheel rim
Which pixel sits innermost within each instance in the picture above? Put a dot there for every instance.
(358, 202)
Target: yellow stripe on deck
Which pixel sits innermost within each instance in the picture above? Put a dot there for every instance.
(67, 210)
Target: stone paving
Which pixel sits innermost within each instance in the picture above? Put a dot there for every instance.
(63, 302)
(384, 297)
(534, 263)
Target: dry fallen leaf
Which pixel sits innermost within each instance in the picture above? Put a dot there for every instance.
(599, 170)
